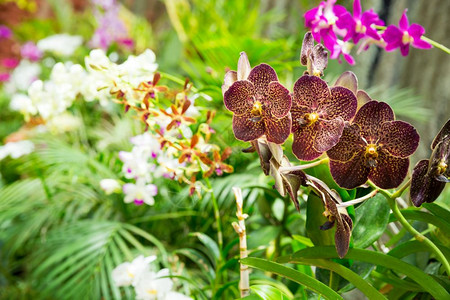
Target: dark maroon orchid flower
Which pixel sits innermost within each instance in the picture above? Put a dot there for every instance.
(404, 35)
(260, 105)
(374, 147)
(318, 116)
(430, 176)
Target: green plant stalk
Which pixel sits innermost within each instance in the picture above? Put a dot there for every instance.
(216, 215)
(391, 198)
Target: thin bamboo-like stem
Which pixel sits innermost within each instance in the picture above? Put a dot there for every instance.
(244, 282)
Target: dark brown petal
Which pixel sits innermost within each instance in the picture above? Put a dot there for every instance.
(307, 45)
(352, 173)
(348, 80)
(292, 182)
(398, 138)
(370, 117)
(278, 100)
(423, 187)
(445, 131)
(362, 98)
(245, 129)
(229, 79)
(390, 170)
(328, 134)
(302, 147)
(278, 130)
(441, 154)
(261, 76)
(342, 235)
(309, 91)
(342, 103)
(297, 113)
(264, 154)
(349, 144)
(239, 98)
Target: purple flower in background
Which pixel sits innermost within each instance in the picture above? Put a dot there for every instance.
(344, 48)
(110, 27)
(30, 51)
(321, 21)
(359, 25)
(404, 35)
(5, 32)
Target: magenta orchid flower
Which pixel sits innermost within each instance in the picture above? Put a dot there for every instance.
(322, 19)
(404, 35)
(360, 24)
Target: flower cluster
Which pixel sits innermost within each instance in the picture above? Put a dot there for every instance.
(169, 148)
(149, 282)
(315, 113)
(340, 30)
(360, 136)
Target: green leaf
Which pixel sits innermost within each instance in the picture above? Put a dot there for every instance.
(371, 220)
(423, 279)
(210, 244)
(293, 275)
(267, 292)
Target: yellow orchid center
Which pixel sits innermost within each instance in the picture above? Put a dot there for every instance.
(371, 151)
(372, 155)
(360, 27)
(442, 167)
(407, 39)
(312, 118)
(152, 292)
(257, 108)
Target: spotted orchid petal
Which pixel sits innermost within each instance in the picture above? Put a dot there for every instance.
(239, 97)
(390, 171)
(309, 91)
(303, 145)
(398, 138)
(245, 129)
(278, 100)
(328, 133)
(261, 76)
(278, 130)
(371, 116)
(349, 145)
(352, 173)
(342, 103)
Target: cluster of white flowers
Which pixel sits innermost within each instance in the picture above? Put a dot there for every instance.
(51, 98)
(143, 163)
(149, 282)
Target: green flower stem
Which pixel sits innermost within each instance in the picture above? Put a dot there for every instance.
(424, 38)
(305, 166)
(216, 215)
(436, 44)
(391, 198)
